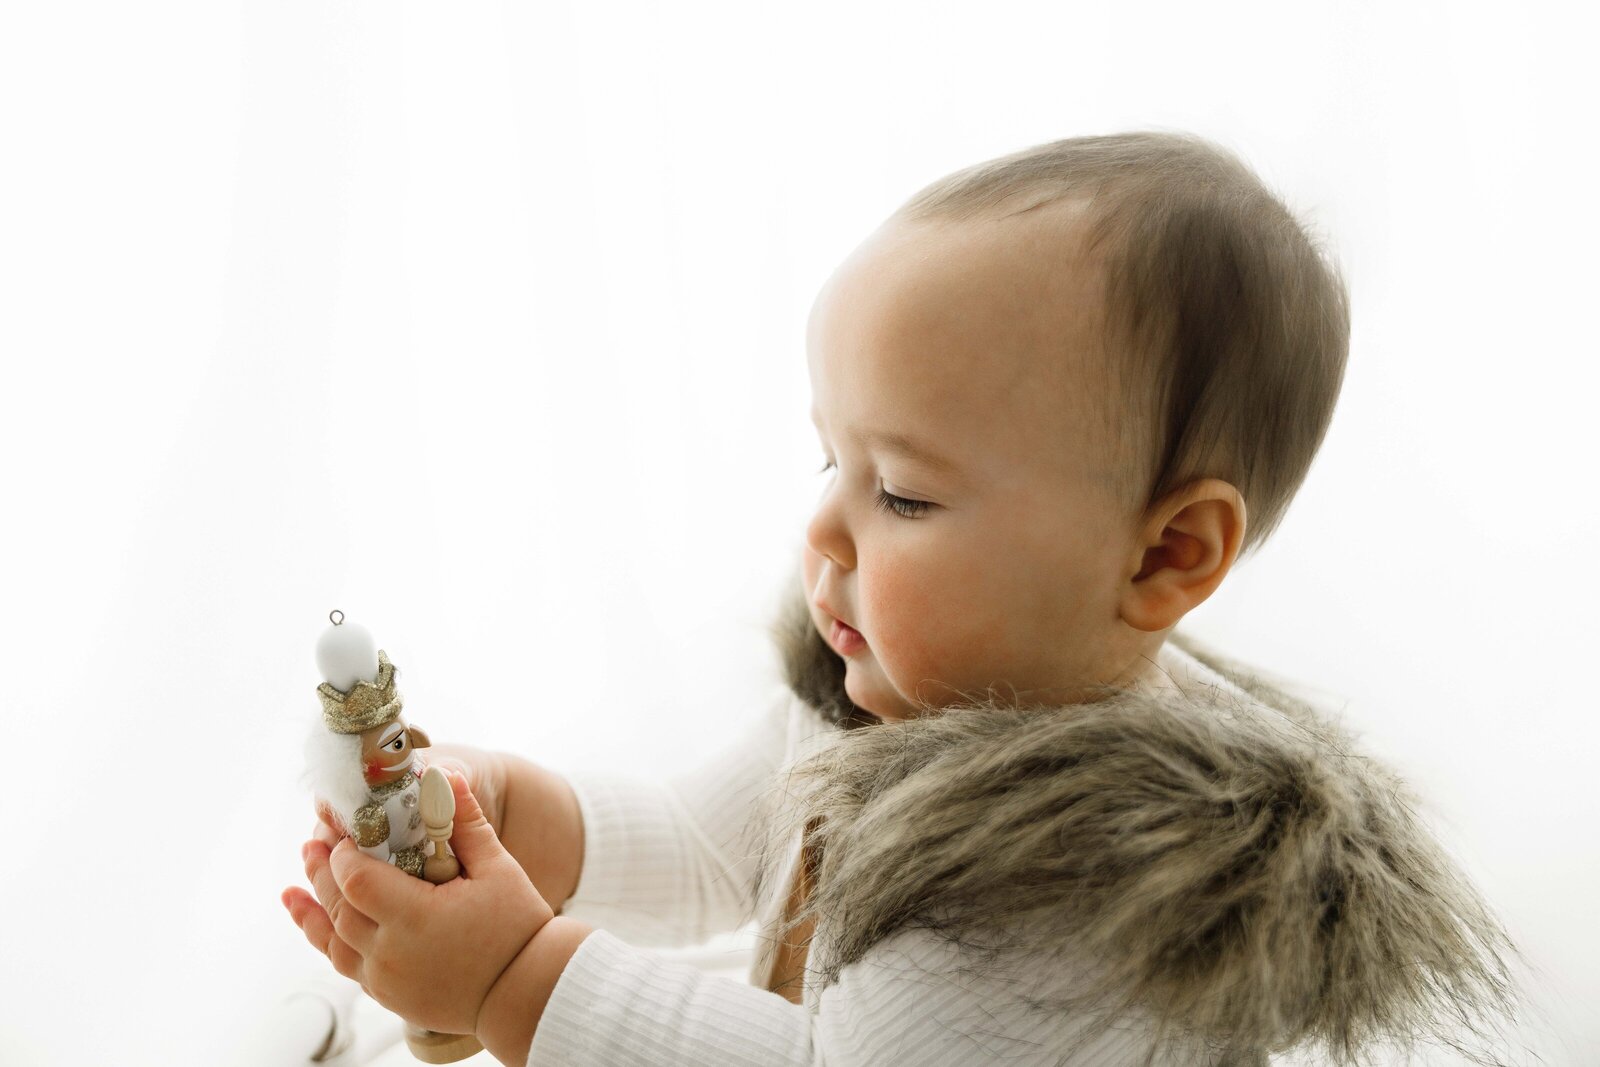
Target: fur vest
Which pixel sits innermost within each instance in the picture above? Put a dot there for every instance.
(1240, 870)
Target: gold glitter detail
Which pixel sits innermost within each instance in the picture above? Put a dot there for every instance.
(389, 789)
(410, 860)
(366, 705)
(372, 825)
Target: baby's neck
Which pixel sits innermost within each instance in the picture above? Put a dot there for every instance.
(1145, 673)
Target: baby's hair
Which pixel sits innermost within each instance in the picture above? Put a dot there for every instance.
(1231, 324)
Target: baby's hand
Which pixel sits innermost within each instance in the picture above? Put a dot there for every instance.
(428, 953)
(484, 771)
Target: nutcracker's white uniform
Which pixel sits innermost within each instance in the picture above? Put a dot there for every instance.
(389, 826)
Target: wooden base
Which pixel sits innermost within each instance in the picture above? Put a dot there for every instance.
(429, 1046)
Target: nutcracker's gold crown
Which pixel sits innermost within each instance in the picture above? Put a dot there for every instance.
(366, 705)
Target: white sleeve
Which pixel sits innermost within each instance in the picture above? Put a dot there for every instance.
(908, 1000)
(672, 863)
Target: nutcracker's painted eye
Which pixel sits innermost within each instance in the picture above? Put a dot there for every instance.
(397, 744)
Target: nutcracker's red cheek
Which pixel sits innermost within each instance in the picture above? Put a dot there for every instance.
(374, 770)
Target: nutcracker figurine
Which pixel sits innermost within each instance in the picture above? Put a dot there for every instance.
(365, 773)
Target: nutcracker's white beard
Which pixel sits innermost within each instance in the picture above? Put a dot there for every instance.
(333, 770)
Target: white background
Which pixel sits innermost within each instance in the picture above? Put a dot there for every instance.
(484, 323)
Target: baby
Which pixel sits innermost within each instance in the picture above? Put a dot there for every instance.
(1059, 394)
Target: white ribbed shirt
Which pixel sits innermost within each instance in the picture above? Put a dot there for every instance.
(672, 863)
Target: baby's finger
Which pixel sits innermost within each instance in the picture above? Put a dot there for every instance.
(326, 834)
(381, 891)
(346, 960)
(355, 929)
(314, 923)
(472, 837)
(322, 881)
(309, 916)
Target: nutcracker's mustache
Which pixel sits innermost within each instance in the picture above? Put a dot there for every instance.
(373, 768)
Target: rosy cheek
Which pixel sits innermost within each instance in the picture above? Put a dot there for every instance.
(374, 769)
(897, 612)
(890, 593)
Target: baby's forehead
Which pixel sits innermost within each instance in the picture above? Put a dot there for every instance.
(990, 331)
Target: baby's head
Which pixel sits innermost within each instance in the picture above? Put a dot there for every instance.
(1062, 392)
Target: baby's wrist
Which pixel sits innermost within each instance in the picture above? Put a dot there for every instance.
(514, 1004)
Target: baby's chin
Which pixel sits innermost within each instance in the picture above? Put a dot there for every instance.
(869, 690)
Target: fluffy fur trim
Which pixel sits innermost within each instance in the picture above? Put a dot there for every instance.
(1237, 867)
(333, 770)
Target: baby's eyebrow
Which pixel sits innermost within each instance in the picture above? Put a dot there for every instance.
(900, 444)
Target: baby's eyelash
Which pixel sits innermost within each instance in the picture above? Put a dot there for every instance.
(906, 509)
(909, 509)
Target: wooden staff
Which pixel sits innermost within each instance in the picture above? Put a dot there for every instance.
(439, 816)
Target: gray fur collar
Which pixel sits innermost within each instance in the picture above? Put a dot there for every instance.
(1242, 871)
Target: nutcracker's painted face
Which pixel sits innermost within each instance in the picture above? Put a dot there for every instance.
(388, 751)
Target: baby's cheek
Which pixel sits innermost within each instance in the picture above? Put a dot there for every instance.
(936, 632)
(891, 601)
(906, 626)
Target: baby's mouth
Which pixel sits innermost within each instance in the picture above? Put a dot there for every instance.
(846, 640)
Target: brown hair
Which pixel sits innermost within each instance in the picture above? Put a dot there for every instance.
(1233, 325)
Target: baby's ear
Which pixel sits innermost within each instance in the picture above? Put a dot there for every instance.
(1188, 544)
(419, 737)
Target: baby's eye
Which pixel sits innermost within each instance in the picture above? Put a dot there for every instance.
(908, 509)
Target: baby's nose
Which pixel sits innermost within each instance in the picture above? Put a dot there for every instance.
(827, 537)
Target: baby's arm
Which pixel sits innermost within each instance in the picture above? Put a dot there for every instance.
(486, 955)
(657, 863)
(511, 1011)
(669, 863)
(915, 997)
